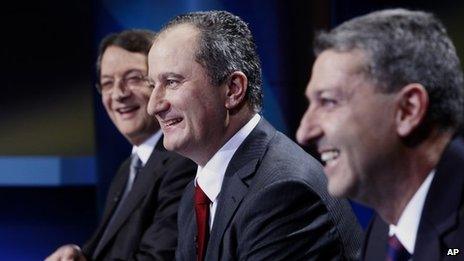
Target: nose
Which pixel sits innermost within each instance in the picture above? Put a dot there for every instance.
(309, 129)
(158, 102)
(120, 91)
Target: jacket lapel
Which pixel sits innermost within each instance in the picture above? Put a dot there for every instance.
(375, 242)
(237, 180)
(441, 207)
(114, 195)
(142, 184)
(189, 228)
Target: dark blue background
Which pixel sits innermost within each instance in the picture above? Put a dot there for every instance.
(44, 58)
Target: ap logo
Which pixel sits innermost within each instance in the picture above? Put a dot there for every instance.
(452, 252)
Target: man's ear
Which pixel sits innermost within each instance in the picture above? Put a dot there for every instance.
(236, 85)
(413, 101)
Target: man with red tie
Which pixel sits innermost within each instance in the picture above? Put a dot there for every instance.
(257, 195)
(386, 100)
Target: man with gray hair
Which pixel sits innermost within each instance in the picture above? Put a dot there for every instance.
(256, 195)
(386, 102)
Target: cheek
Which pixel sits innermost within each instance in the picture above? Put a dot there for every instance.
(107, 104)
(192, 103)
(363, 156)
(338, 128)
(352, 126)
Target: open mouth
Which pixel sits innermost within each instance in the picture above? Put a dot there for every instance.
(329, 156)
(172, 122)
(127, 110)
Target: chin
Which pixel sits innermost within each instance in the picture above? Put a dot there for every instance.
(169, 144)
(335, 192)
(339, 188)
(166, 144)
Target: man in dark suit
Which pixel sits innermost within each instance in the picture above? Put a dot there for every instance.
(139, 220)
(257, 195)
(386, 100)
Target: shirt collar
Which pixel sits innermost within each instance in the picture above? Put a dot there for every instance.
(145, 149)
(406, 229)
(210, 176)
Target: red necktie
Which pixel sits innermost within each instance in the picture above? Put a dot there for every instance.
(202, 214)
(396, 250)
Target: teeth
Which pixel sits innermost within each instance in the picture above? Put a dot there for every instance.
(172, 122)
(329, 155)
(126, 109)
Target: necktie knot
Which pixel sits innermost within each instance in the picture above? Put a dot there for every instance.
(135, 166)
(396, 251)
(201, 197)
(136, 163)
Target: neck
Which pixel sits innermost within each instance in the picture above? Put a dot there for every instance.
(233, 123)
(140, 139)
(409, 168)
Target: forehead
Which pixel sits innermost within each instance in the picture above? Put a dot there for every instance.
(118, 60)
(178, 41)
(334, 69)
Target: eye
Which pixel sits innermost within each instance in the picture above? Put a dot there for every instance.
(134, 80)
(328, 102)
(172, 83)
(106, 85)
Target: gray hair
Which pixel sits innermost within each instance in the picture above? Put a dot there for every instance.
(225, 45)
(402, 47)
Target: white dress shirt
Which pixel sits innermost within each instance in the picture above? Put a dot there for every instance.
(406, 229)
(145, 149)
(210, 176)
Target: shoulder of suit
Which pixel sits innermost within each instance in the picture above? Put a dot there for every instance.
(288, 154)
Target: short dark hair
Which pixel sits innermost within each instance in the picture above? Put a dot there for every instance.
(225, 45)
(132, 40)
(402, 47)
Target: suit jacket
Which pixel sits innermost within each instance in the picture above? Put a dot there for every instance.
(273, 205)
(441, 225)
(145, 228)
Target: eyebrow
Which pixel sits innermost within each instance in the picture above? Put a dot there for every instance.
(124, 74)
(167, 75)
(106, 76)
(171, 74)
(320, 91)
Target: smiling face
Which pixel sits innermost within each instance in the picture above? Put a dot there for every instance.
(351, 123)
(124, 99)
(191, 111)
